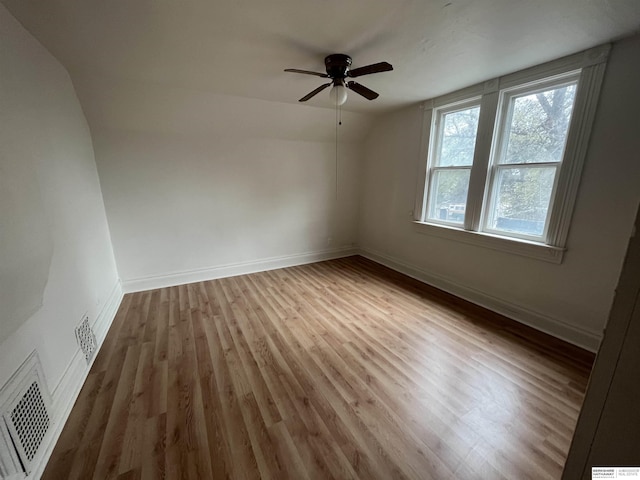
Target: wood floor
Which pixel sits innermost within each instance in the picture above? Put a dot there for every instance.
(340, 369)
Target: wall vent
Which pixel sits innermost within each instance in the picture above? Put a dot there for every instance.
(26, 420)
(30, 421)
(86, 339)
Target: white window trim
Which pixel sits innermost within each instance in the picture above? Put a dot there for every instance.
(591, 64)
(517, 246)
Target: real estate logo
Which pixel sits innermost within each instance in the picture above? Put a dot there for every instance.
(627, 473)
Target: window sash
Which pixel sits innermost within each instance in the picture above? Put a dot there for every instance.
(490, 202)
(439, 124)
(505, 117)
(504, 124)
(433, 191)
(434, 153)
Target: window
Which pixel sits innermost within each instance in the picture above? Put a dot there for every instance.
(503, 158)
(532, 135)
(455, 139)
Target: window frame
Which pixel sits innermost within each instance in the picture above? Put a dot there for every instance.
(434, 150)
(498, 151)
(588, 67)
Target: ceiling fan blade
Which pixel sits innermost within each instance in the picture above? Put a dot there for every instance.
(315, 92)
(369, 69)
(362, 90)
(307, 72)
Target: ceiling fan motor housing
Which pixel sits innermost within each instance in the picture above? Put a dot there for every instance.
(337, 65)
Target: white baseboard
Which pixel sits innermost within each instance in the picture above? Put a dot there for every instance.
(583, 338)
(108, 313)
(231, 270)
(68, 388)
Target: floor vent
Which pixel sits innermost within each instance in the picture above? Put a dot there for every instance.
(86, 339)
(25, 417)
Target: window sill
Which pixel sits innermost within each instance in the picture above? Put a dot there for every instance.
(539, 251)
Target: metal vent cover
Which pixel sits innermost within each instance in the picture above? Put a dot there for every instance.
(86, 339)
(30, 421)
(26, 418)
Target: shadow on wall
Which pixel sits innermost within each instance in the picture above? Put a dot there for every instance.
(26, 244)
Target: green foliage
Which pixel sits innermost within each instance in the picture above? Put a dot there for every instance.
(524, 193)
(458, 137)
(538, 128)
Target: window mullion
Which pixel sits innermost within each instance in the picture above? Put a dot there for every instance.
(478, 177)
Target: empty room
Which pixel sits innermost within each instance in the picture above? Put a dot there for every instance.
(315, 239)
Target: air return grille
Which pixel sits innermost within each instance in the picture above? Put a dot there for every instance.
(86, 339)
(26, 419)
(30, 421)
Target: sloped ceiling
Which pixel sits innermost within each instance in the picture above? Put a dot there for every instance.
(241, 47)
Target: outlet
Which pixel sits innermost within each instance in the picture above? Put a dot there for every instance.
(329, 240)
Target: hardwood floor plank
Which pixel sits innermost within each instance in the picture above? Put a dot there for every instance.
(77, 423)
(225, 399)
(153, 448)
(320, 392)
(117, 423)
(335, 370)
(315, 443)
(132, 442)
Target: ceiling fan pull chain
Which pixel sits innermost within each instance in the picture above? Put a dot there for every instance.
(338, 122)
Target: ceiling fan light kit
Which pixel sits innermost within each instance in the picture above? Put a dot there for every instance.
(338, 93)
(338, 69)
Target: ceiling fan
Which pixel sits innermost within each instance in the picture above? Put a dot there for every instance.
(337, 66)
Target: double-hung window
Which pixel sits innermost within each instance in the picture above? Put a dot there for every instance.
(502, 160)
(455, 128)
(531, 138)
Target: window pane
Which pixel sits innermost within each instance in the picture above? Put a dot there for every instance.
(539, 125)
(458, 137)
(449, 195)
(521, 201)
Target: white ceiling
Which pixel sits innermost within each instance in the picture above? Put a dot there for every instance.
(241, 47)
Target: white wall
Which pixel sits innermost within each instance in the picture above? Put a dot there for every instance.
(571, 300)
(198, 185)
(50, 191)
